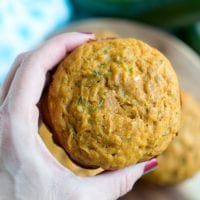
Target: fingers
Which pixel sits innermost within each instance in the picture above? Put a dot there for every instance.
(10, 76)
(24, 92)
(27, 85)
(112, 185)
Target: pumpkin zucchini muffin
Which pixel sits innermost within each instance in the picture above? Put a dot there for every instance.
(106, 34)
(181, 160)
(113, 103)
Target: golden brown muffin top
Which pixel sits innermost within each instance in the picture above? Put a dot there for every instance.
(113, 103)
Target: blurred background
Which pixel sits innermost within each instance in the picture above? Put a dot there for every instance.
(26, 23)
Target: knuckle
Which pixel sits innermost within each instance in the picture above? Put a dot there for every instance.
(20, 56)
(13, 110)
(126, 184)
(81, 193)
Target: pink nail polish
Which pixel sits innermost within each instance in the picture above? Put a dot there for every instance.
(151, 165)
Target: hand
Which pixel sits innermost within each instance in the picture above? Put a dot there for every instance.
(27, 169)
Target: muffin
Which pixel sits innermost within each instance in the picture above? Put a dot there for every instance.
(106, 34)
(62, 157)
(112, 103)
(181, 160)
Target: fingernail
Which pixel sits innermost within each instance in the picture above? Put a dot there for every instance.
(151, 165)
(87, 32)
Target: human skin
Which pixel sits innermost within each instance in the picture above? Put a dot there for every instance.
(27, 169)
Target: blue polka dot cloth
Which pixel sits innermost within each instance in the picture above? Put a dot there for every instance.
(25, 23)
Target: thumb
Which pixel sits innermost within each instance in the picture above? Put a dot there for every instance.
(114, 184)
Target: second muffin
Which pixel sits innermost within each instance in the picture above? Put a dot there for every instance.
(181, 160)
